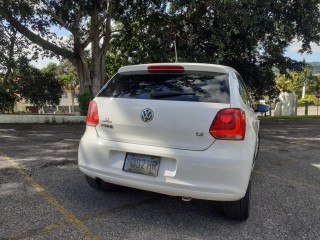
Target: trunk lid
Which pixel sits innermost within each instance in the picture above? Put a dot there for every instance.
(163, 105)
(175, 124)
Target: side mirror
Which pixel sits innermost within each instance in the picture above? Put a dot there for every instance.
(261, 108)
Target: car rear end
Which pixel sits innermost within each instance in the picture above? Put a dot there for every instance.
(176, 129)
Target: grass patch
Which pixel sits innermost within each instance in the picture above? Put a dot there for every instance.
(289, 117)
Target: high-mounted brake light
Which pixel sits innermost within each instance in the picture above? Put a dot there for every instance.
(92, 115)
(229, 124)
(166, 68)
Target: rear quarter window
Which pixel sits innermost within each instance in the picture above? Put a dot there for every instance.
(186, 86)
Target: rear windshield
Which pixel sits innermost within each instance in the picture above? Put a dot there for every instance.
(187, 86)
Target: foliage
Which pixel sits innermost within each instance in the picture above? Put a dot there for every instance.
(311, 99)
(250, 36)
(89, 24)
(13, 47)
(294, 81)
(307, 79)
(58, 112)
(41, 88)
(315, 66)
(68, 75)
(50, 69)
(284, 83)
(69, 79)
(115, 60)
(84, 98)
(7, 99)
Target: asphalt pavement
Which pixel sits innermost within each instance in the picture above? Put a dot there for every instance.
(43, 195)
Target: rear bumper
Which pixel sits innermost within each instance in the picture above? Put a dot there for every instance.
(221, 172)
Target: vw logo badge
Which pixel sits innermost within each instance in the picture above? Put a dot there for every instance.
(146, 115)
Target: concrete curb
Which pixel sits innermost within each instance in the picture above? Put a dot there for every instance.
(19, 118)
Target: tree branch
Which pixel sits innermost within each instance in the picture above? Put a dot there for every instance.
(10, 61)
(35, 38)
(56, 17)
(86, 42)
(104, 17)
(107, 33)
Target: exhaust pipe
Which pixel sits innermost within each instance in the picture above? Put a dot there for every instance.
(186, 199)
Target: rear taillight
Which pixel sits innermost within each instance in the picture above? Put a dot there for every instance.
(92, 115)
(166, 68)
(229, 124)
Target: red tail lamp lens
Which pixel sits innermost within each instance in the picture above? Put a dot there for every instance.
(166, 68)
(229, 124)
(92, 115)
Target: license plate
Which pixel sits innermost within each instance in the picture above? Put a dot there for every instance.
(143, 164)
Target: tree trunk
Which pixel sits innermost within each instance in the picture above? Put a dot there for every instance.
(83, 74)
(93, 79)
(91, 72)
(97, 51)
(10, 62)
(98, 73)
(103, 69)
(72, 101)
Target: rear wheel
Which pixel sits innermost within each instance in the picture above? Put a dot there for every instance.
(238, 210)
(98, 184)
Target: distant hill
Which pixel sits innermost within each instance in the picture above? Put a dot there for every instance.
(315, 66)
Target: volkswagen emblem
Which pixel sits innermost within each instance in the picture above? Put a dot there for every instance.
(146, 115)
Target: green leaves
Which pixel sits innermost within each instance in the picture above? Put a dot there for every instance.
(294, 81)
(84, 98)
(249, 35)
(41, 88)
(68, 75)
(7, 98)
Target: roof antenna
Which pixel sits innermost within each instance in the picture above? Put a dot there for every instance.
(175, 50)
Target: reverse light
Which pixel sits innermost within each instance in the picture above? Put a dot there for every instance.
(166, 68)
(92, 115)
(229, 124)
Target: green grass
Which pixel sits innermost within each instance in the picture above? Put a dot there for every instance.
(289, 117)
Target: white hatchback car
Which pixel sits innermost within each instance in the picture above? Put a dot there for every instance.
(181, 129)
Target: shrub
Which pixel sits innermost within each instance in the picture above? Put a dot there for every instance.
(58, 112)
(7, 99)
(84, 98)
(312, 100)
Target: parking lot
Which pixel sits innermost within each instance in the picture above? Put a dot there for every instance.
(44, 196)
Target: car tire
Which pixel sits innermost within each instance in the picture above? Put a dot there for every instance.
(238, 210)
(98, 184)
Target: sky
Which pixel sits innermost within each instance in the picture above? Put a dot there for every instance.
(41, 63)
(292, 51)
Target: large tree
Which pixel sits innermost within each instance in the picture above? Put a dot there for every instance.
(88, 21)
(249, 35)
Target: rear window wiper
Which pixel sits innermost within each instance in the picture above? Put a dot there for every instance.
(168, 94)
